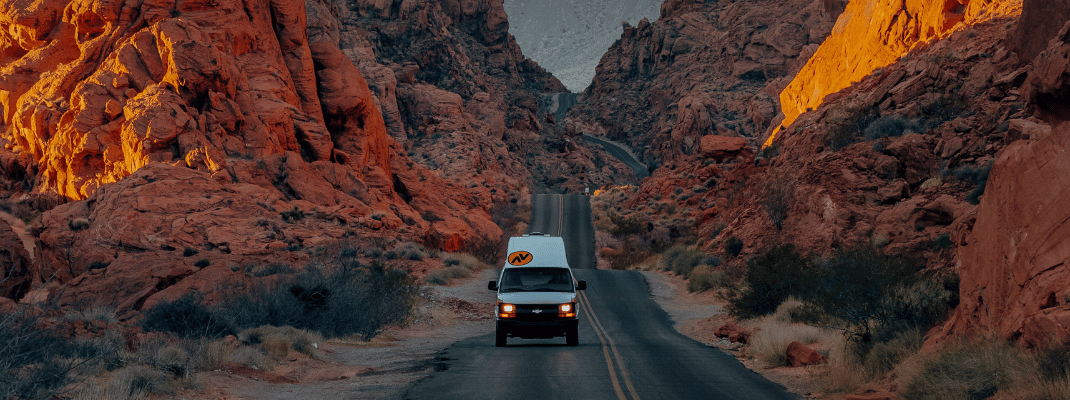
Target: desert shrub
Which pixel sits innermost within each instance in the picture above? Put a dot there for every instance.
(681, 260)
(131, 382)
(875, 297)
(846, 130)
(885, 356)
(704, 278)
(173, 359)
(186, 317)
(189, 251)
(292, 215)
(978, 175)
(1053, 362)
(407, 251)
(777, 197)
(78, 224)
(771, 278)
(261, 271)
(280, 340)
(36, 362)
(945, 108)
(626, 226)
(445, 275)
(102, 313)
(733, 246)
(335, 299)
(942, 242)
(969, 371)
(889, 126)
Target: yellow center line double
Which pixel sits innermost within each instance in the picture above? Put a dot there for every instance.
(599, 330)
(603, 336)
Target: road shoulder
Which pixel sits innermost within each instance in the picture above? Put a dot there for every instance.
(698, 315)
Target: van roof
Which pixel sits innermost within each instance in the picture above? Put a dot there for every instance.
(536, 250)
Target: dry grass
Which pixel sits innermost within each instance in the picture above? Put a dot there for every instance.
(983, 369)
(773, 334)
(132, 382)
(279, 341)
(458, 265)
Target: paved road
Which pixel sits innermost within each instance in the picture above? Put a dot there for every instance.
(624, 155)
(628, 348)
(562, 102)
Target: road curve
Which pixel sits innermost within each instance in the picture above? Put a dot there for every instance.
(628, 349)
(623, 154)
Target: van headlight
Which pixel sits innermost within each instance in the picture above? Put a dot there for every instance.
(566, 310)
(506, 310)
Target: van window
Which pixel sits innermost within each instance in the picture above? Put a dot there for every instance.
(536, 280)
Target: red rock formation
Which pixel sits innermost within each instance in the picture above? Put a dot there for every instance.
(799, 355)
(873, 34)
(703, 68)
(1015, 277)
(17, 274)
(198, 125)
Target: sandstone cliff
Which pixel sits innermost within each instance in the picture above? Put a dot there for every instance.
(896, 156)
(702, 68)
(873, 34)
(152, 113)
(1016, 264)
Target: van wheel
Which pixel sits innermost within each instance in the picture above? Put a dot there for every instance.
(499, 338)
(572, 337)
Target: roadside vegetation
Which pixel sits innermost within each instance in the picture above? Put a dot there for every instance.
(348, 292)
(867, 313)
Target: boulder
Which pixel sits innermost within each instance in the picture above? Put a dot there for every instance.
(17, 274)
(799, 355)
(734, 333)
(720, 147)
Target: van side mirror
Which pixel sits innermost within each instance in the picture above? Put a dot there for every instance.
(492, 285)
(581, 285)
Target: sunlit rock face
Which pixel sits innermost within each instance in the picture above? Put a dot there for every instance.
(568, 37)
(702, 68)
(216, 126)
(872, 34)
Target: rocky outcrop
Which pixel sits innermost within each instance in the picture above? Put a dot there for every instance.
(458, 94)
(217, 127)
(1041, 20)
(702, 69)
(1015, 277)
(16, 266)
(1015, 270)
(873, 34)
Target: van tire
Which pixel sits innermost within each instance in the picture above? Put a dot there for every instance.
(572, 337)
(499, 338)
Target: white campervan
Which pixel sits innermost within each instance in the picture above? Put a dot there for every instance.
(536, 291)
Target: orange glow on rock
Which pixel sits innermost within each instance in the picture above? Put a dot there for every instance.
(873, 34)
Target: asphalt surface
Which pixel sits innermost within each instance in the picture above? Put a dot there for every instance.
(638, 168)
(628, 348)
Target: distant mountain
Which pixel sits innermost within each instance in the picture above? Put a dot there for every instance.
(569, 37)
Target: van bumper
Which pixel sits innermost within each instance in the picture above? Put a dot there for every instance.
(537, 329)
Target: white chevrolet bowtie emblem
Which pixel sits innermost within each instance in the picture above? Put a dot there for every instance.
(537, 311)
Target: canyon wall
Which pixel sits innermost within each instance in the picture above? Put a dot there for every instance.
(702, 68)
(1016, 266)
(873, 34)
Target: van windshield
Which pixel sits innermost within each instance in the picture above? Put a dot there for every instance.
(536, 280)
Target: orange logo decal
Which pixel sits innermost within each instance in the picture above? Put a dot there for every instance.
(520, 258)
